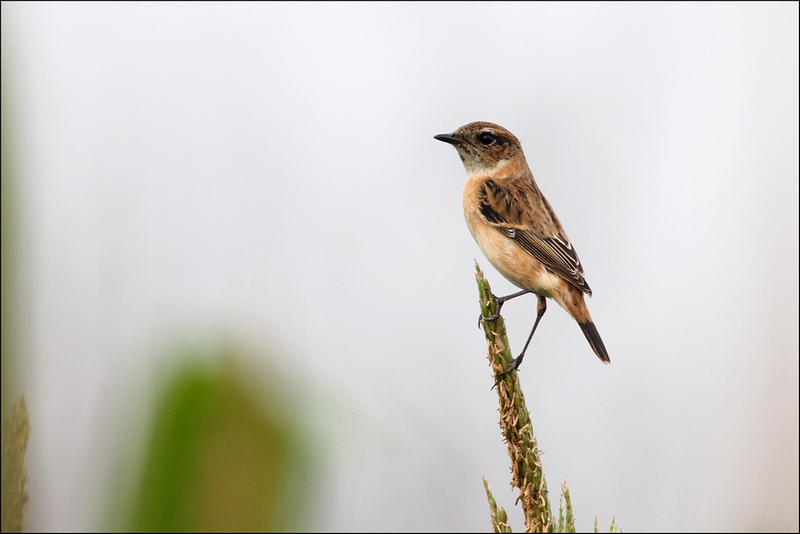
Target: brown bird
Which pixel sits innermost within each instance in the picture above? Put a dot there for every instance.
(516, 228)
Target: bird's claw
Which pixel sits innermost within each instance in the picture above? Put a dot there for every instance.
(481, 318)
(513, 367)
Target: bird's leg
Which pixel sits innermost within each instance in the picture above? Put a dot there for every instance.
(500, 302)
(518, 360)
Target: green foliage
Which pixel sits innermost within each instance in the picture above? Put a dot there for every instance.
(221, 456)
(16, 429)
(565, 523)
(499, 515)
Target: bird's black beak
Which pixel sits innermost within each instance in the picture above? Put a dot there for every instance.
(449, 138)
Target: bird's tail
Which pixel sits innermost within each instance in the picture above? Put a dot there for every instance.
(593, 337)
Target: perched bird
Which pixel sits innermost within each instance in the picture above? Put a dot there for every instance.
(516, 228)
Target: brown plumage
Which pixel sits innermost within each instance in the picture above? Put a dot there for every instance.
(517, 229)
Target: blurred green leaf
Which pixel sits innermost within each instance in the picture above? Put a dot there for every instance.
(222, 457)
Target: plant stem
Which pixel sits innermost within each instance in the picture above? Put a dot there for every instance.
(526, 467)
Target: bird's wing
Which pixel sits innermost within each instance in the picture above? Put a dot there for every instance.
(517, 209)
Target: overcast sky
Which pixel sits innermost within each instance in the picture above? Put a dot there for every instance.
(268, 172)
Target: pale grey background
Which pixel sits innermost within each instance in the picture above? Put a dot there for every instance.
(268, 172)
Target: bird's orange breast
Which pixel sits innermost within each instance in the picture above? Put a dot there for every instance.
(511, 260)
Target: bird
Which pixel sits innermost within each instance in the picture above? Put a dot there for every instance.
(517, 229)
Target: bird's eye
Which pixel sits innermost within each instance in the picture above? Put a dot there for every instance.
(487, 139)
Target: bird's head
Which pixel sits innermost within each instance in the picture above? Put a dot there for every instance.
(484, 147)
